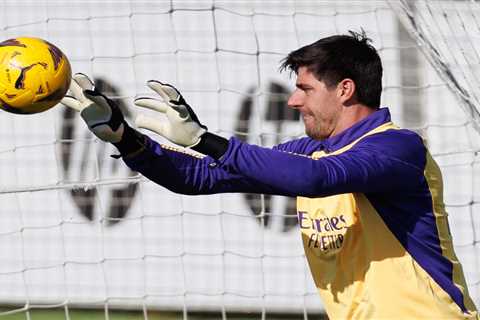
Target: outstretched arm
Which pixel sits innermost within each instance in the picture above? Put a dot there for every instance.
(253, 169)
(174, 169)
(372, 165)
(233, 166)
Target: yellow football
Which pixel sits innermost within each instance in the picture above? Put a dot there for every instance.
(34, 75)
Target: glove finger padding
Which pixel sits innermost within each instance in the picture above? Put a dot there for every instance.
(83, 81)
(79, 83)
(152, 104)
(182, 127)
(185, 111)
(174, 112)
(172, 96)
(76, 91)
(154, 124)
(166, 91)
(71, 102)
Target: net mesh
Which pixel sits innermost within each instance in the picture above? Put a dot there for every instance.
(79, 230)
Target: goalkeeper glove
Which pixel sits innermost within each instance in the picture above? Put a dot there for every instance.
(102, 116)
(183, 126)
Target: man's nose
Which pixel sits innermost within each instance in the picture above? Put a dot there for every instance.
(294, 101)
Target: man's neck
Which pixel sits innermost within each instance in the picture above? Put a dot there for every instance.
(351, 115)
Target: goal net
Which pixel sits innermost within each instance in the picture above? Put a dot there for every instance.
(79, 230)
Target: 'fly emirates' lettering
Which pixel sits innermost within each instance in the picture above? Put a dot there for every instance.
(325, 234)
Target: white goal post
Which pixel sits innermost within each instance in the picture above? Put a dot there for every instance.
(78, 229)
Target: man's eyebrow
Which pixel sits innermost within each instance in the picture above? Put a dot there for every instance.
(303, 86)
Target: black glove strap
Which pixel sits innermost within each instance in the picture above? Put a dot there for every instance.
(132, 141)
(212, 145)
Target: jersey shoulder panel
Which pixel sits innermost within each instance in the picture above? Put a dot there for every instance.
(398, 144)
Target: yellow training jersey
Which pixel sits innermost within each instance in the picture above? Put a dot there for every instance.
(384, 255)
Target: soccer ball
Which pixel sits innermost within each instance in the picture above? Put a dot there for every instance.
(34, 75)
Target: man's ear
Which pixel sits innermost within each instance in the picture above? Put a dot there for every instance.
(346, 89)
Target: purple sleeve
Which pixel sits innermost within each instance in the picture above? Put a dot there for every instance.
(184, 173)
(380, 163)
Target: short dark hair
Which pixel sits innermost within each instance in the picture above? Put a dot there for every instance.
(338, 57)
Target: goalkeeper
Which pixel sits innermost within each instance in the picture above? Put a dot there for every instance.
(369, 194)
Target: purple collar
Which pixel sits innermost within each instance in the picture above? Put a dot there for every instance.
(351, 134)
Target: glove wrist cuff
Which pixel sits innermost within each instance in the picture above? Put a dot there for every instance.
(212, 145)
(132, 141)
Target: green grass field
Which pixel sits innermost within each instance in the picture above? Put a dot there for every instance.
(83, 314)
(39, 314)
